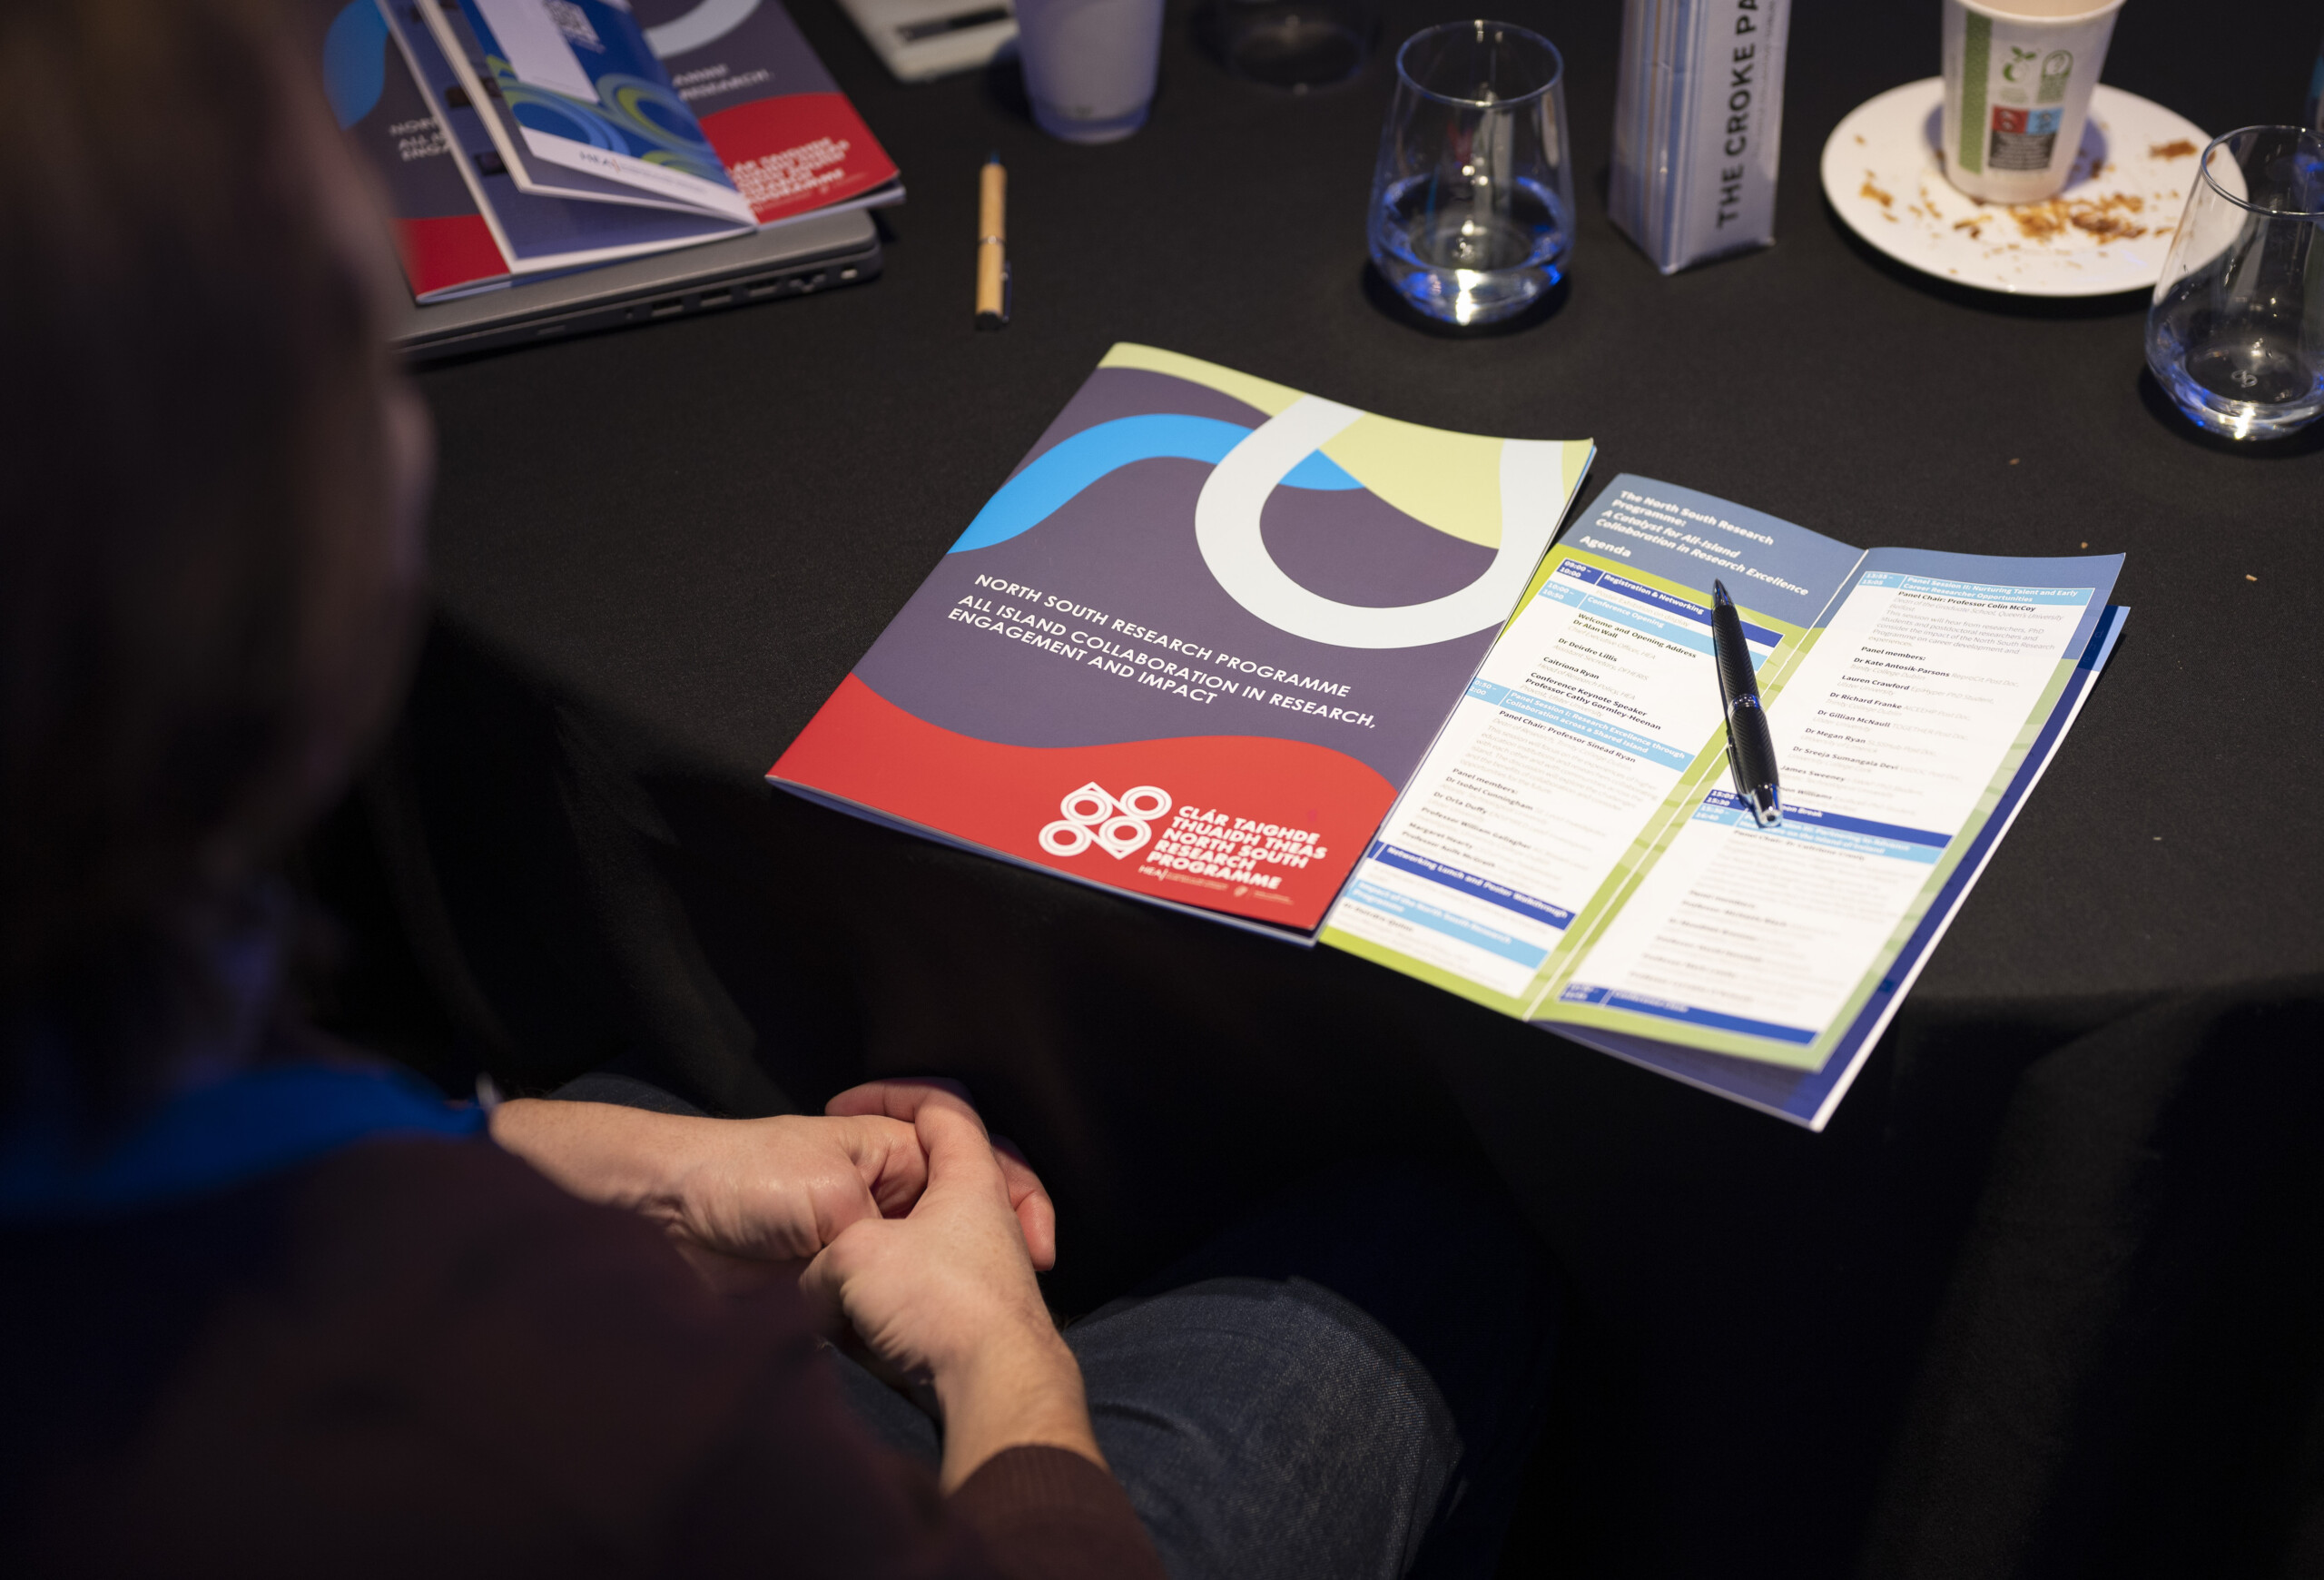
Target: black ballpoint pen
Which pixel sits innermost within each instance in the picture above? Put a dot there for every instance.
(1751, 753)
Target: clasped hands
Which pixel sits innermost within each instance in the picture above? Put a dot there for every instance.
(895, 1212)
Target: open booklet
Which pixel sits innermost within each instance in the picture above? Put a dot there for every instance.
(578, 105)
(1572, 852)
(1222, 645)
(536, 232)
(453, 138)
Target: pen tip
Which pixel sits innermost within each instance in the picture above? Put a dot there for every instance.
(1718, 591)
(993, 157)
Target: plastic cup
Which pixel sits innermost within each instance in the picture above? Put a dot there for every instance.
(1089, 65)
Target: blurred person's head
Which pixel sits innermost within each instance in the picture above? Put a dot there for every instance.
(210, 482)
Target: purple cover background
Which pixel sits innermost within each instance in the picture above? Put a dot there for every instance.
(1127, 544)
(428, 188)
(768, 40)
(1112, 393)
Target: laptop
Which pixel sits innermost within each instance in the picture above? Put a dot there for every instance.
(819, 252)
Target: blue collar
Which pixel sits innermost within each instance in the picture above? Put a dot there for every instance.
(258, 1122)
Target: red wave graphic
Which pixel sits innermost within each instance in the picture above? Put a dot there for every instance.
(447, 250)
(770, 148)
(864, 748)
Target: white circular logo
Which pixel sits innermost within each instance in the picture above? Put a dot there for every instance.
(1093, 816)
(1227, 529)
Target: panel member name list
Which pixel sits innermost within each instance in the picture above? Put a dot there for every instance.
(1911, 706)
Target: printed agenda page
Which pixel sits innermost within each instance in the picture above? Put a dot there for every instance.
(1894, 735)
(1589, 726)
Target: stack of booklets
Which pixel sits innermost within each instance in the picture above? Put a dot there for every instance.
(523, 138)
(1225, 646)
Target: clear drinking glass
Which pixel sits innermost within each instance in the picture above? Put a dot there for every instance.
(2236, 334)
(1473, 199)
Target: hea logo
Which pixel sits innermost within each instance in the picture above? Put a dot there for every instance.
(1119, 824)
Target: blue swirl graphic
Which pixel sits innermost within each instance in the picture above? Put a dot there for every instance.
(1035, 494)
(543, 110)
(355, 61)
(647, 109)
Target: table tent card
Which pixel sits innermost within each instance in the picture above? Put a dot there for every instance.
(1230, 648)
(1572, 852)
(1198, 642)
(1697, 118)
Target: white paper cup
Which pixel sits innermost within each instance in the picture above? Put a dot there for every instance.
(1089, 65)
(2018, 74)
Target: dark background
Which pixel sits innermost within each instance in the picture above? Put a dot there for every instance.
(2045, 1297)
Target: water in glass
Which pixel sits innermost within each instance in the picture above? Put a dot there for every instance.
(2236, 333)
(1473, 198)
(1470, 264)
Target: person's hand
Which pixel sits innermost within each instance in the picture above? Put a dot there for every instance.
(946, 1292)
(1027, 1198)
(746, 1201)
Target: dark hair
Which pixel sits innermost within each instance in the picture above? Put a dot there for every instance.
(196, 625)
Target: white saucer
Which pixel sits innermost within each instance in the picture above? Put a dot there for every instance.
(2138, 161)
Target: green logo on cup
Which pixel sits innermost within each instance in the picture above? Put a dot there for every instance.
(2056, 67)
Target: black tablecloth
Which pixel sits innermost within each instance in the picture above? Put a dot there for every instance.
(2045, 1298)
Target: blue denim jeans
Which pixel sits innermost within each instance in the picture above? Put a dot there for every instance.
(1346, 1385)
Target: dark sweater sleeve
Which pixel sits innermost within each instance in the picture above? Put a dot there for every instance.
(444, 1365)
(1047, 1514)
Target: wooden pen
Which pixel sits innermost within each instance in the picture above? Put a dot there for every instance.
(992, 247)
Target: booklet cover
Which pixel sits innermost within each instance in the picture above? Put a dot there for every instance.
(1572, 852)
(442, 238)
(1197, 643)
(788, 136)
